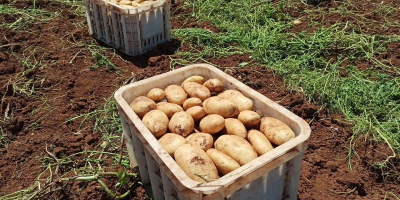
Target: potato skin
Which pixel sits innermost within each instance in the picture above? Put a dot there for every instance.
(276, 131)
(249, 118)
(171, 141)
(175, 94)
(235, 127)
(125, 2)
(193, 101)
(214, 85)
(197, 113)
(156, 94)
(203, 140)
(194, 89)
(169, 108)
(212, 124)
(223, 162)
(240, 100)
(181, 123)
(194, 162)
(157, 122)
(236, 147)
(224, 107)
(259, 142)
(196, 79)
(142, 105)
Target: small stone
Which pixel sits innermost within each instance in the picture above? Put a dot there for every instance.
(297, 22)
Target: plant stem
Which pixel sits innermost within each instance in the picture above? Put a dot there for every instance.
(106, 189)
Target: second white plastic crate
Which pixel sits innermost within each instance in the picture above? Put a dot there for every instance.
(132, 31)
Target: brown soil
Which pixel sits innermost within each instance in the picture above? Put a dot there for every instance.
(66, 86)
(374, 17)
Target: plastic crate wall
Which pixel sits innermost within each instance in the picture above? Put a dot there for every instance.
(132, 31)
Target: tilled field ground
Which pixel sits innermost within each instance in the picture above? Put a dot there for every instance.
(56, 81)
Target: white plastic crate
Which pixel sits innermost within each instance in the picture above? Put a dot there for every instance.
(273, 176)
(132, 31)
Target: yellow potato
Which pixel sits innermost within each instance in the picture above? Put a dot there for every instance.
(212, 124)
(142, 105)
(124, 2)
(171, 141)
(276, 131)
(223, 162)
(249, 118)
(175, 94)
(169, 108)
(237, 148)
(156, 94)
(157, 122)
(196, 79)
(214, 85)
(194, 89)
(224, 107)
(203, 140)
(192, 102)
(235, 127)
(197, 113)
(181, 123)
(240, 100)
(195, 163)
(259, 142)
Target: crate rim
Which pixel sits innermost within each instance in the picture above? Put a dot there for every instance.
(135, 10)
(297, 144)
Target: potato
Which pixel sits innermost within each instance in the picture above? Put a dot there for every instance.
(223, 162)
(175, 94)
(195, 163)
(276, 131)
(181, 123)
(236, 147)
(169, 108)
(156, 94)
(212, 124)
(142, 105)
(196, 90)
(249, 118)
(197, 113)
(196, 79)
(203, 140)
(193, 101)
(240, 100)
(157, 122)
(214, 85)
(224, 107)
(125, 2)
(171, 141)
(235, 127)
(259, 142)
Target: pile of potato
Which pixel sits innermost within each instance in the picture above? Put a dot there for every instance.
(211, 131)
(129, 3)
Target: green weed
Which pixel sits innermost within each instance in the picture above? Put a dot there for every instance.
(24, 18)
